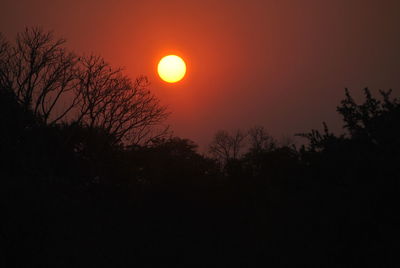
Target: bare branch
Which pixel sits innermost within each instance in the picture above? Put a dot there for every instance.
(57, 86)
(124, 108)
(40, 71)
(226, 146)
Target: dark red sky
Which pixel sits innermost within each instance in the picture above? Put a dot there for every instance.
(282, 64)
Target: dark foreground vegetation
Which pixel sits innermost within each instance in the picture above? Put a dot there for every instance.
(77, 192)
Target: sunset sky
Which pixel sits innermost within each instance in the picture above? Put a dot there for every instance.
(277, 63)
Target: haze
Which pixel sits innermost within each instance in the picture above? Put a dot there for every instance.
(281, 64)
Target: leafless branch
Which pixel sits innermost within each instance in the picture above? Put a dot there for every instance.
(57, 86)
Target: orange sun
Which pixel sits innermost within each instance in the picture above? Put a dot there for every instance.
(171, 68)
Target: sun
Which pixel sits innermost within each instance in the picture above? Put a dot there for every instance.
(171, 68)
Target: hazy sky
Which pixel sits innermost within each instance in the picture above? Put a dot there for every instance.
(278, 63)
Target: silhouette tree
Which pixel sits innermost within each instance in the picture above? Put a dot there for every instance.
(41, 72)
(177, 160)
(226, 146)
(358, 172)
(89, 172)
(58, 86)
(123, 108)
(367, 123)
(260, 140)
(371, 119)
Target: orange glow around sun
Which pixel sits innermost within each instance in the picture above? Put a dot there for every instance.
(171, 68)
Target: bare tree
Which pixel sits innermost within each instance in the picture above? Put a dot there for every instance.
(238, 142)
(110, 100)
(40, 71)
(226, 146)
(220, 147)
(260, 140)
(58, 86)
(4, 51)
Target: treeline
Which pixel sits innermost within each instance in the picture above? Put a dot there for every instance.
(90, 177)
